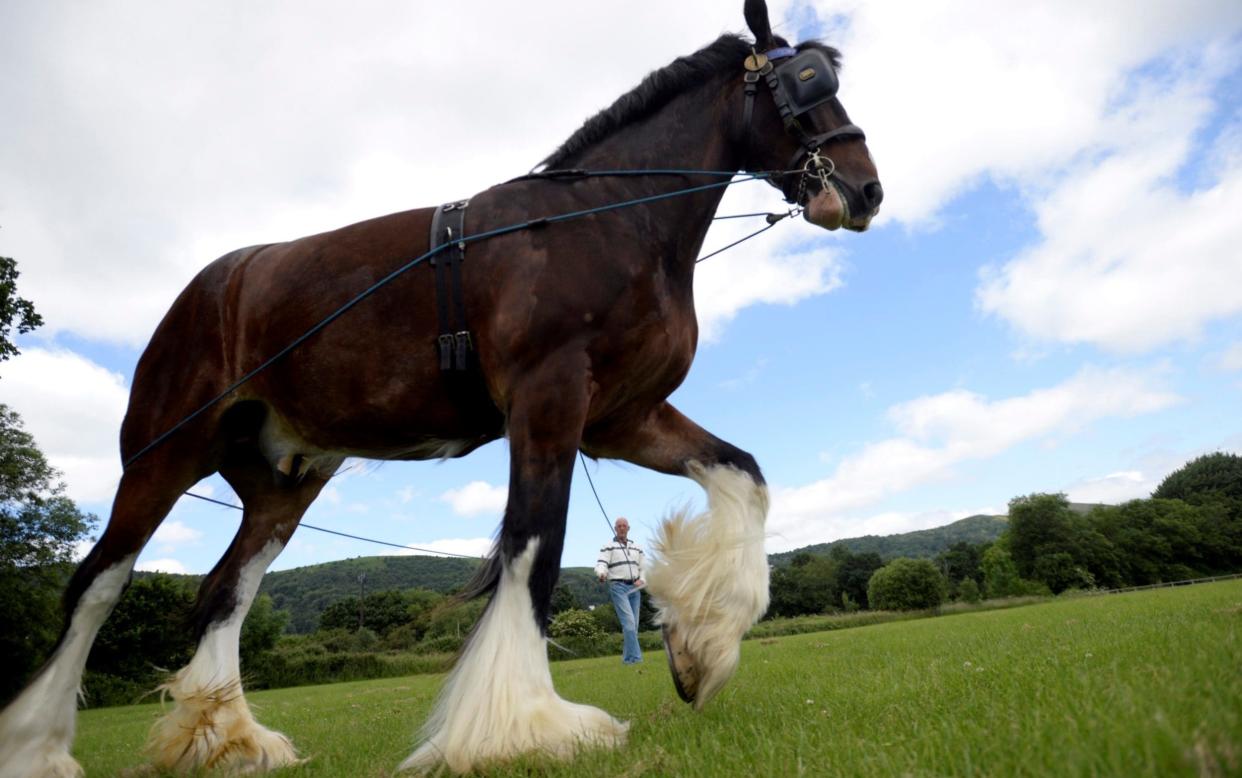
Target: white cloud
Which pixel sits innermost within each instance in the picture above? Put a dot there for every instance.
(207, 489)
(173, 534)
(162, 566)
(1112, 489)
(1231, 359)
(476, 497)
(468, 546)
(331, 494)
(73, 408)
(939, 432)
(285, 124)
(83, 547)
(276, 121)
(788, 264)
(954, 92)
(1127, 260)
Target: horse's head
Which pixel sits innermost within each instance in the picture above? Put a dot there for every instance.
(793, 121)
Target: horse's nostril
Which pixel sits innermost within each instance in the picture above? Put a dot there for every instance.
(873, 194)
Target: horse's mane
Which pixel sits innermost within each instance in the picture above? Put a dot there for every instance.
(724, 55)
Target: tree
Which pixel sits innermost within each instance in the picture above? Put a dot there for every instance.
(1059, 572)
(39, 528)
(959, 561)
(147, 634)
(1156, 540)
(262, 628)
(14, 311)
(906, 584)
(808, 584)
(1203, 478)
(382, 612)
(854, 572)
(563, 600)
(968, 590)
(1039, 525)
(1000, 574)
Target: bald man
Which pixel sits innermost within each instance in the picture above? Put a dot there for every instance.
(620, 566)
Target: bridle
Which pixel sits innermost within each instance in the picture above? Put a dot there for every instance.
(805, 80)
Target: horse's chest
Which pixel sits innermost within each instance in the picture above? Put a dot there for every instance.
(650, 358)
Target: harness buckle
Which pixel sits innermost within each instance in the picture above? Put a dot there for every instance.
(464, 346)
(446, 351)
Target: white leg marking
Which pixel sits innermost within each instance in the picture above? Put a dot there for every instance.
(709, 575)
(211, 725)
(36, 729)
(499, 702)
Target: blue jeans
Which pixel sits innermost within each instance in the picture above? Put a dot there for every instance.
(626, 599)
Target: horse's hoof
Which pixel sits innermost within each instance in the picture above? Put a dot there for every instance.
(680, 664)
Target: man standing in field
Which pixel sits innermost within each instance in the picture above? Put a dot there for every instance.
(620, 565)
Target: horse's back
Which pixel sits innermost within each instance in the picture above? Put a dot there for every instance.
(368, 377)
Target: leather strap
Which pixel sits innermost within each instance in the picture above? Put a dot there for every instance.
(454, 340)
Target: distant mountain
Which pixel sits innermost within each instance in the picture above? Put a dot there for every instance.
(306, 591)
(922, 543)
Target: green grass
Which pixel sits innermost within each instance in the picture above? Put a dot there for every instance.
(1138, 684)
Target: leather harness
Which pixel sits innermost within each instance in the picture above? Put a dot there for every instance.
(448, 228)
(804, 80)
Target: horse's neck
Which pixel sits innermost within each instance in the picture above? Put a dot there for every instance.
(689, 133)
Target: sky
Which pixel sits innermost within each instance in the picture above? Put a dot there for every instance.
(1049, 301)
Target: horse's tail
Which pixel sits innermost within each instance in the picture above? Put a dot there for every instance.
(485, 579)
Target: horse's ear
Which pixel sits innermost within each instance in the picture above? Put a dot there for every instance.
(756, 12)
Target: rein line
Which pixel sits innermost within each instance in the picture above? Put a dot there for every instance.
(516, 227)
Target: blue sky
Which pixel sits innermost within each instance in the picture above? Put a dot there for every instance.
(1051, 299)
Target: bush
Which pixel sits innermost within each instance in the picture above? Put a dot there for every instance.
(441, 644)
(906, 584)
(366, 639)
(1000, 575)
(606, 617)
(575, 623)
(968, 591)
(455, 618)
(101, 690)
(148, 635)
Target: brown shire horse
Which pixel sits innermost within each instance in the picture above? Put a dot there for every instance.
(581, 330)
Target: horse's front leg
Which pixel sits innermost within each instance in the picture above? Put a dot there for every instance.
(499, 701)
(709, 575)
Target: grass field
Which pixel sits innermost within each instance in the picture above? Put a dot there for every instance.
(1143, 684)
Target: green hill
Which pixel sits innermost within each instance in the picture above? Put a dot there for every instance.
(920, 544)
(306, 591)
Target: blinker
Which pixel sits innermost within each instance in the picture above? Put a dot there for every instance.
(808, 80)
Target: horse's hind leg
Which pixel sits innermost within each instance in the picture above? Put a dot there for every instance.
(211, 725)
(499, 701)
(709, 575)
(37, 727)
